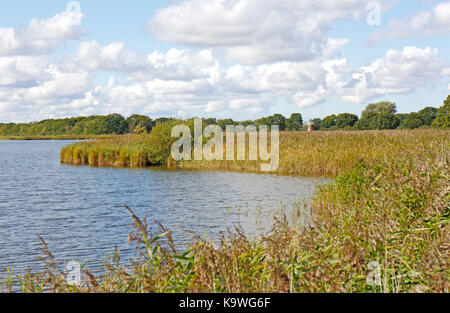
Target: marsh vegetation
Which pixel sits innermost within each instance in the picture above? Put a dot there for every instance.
(389, 204)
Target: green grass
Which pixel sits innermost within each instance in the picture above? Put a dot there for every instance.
(389, 203)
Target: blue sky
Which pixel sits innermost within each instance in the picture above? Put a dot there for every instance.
(222, 58)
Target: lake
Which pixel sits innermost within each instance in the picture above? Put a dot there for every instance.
(80, 211)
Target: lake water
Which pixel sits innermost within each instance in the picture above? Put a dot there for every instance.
(80, 211)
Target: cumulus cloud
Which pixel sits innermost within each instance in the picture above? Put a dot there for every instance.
(255, 31)
(397, 73)
(22, 71)
(41, 36)
(435, 21)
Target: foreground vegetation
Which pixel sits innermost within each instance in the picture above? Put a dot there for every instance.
(389, 204)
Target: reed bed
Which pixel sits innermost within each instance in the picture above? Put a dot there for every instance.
(381, 226)
(301, 153)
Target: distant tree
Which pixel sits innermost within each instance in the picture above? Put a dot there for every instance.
(245, 123)
(413, 121)
(263, 121)
(280, 120)
(328, 122)
(384, 120)
(276, 119)
(144, 121)
(443, 117)
(115, 124)
(378, 108)
(163, 120)
(401, 117)
(362, 124)
(295, 122)
(428, 115)
(209, 121)
(224, 123)
(346, 120)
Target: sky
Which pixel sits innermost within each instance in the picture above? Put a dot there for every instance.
(242, 59)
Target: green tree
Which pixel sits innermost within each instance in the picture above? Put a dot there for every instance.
(401, 117)
(346, 120)
(428, 115)
(209, 121)
(163, 120)
(362, 124)
(443, 117)
(280, 120)
(134, 120)
(276, 119)
(115, 124)
(413, 121)
(378, 108)
(295, 122)
(224, 123)
(386, 120)
(328, 122)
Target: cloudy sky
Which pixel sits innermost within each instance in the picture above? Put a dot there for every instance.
(220, 58)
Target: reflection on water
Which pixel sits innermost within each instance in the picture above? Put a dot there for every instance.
(80, 211)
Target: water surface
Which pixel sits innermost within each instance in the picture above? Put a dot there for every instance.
(80, 211)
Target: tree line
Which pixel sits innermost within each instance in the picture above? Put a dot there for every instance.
(376, 116)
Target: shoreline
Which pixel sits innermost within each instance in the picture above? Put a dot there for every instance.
(56, 137)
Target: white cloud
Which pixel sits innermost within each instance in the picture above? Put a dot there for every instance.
(91, 56)
(398, 72)
(255, 31)
(22, 71)
(435, 21)
(173, 65)
(41, 36)
(61, 86)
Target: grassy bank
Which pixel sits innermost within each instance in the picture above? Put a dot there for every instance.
(301, 153)
(385, 217)
(60, 137)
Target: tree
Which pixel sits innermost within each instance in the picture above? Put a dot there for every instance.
(209, 121)
(379, 107)
(144, 121)
(280, 120)
(401, 117)
(224, 123)
(413, 121)
(384, 120)
(295, 122)
(328, 122)
(276, 119)
(362, 124)
(443, 117)
(163, 120)
(346, 120)
(115, 124)
(428, 115)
